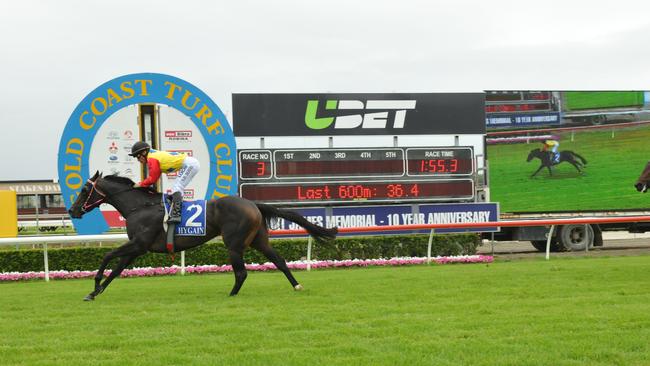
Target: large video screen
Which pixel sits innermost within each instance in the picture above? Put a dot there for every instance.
(603, 141)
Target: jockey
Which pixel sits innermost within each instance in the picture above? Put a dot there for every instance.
(158, 162)
(553, 145)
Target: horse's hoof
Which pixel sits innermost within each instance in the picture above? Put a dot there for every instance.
(89, 298)
(298, 287)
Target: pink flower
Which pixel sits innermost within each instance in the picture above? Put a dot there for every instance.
(299, 265)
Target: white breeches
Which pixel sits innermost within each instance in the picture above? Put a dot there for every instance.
(189, 169)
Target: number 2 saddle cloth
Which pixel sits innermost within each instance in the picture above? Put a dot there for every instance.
(193, 217)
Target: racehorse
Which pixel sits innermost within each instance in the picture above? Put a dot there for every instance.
(547, 159)
(642, 183)
(240, 222)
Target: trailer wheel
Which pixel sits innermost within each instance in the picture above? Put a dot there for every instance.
(540, 245)
(576, 237)
(598, 120)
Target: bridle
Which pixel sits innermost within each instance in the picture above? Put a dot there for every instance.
(86, 207)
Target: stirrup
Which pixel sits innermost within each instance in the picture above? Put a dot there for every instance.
(175, 209)
(174, 219)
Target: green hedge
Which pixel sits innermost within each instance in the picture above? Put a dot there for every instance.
(89, 258)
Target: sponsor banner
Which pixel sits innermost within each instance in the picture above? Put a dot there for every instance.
(110, 148)
(358, 114)
(510, 120)
(368, 216)
(185, 135)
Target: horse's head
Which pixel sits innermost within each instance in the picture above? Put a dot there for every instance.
(90, 197)
(534, 153)
(642, 183)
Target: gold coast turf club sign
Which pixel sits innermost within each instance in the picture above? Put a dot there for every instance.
(101, 103)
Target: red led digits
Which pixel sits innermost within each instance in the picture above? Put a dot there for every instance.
(439, 166)
(261, 169)
(365, 191)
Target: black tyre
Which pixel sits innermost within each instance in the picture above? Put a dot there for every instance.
(576, 237)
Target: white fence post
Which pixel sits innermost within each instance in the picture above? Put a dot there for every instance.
(183, 263)
(45, 263)
(548, 242)
(429, 246)
(309, 253)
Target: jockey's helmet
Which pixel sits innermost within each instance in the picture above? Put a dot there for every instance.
(139, 148)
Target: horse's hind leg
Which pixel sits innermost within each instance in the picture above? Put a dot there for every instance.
(576, 165)
(261, 243)
(239, 268)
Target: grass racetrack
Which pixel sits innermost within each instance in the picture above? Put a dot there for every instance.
(568, 311)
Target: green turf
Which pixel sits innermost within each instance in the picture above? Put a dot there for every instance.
(614, 164)
(580, 311)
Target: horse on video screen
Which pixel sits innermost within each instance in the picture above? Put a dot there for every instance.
(641, 184)
(240, 222)
(546, 158)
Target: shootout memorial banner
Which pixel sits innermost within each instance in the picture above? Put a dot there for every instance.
(367, 216)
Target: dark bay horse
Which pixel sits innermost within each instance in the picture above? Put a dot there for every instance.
(240, 222)
(644, 179)
(547, 160)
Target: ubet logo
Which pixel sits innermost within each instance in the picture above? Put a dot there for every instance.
(377, 119)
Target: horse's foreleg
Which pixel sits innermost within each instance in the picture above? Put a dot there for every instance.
(129, 250)
(550, 171)
(108, 257)
(239, 268)
(117, 271)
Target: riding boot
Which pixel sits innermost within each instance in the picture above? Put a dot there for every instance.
(175, 211)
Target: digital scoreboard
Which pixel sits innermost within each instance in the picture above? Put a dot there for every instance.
(347, 175)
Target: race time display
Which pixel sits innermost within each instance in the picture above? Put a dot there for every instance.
(340, 175)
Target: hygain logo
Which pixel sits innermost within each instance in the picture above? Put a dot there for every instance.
(378, 119)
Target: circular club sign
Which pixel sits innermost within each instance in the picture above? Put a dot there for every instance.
(101, 103)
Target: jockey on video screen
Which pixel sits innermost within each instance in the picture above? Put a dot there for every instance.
(552, 145)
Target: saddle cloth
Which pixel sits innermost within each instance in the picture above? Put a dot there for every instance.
(193, 217)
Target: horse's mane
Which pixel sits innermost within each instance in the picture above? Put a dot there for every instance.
(119, 179)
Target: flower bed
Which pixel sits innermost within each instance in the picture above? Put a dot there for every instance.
(298, 265)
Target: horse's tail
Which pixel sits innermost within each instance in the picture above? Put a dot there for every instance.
(584, 161)
(318, 232)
